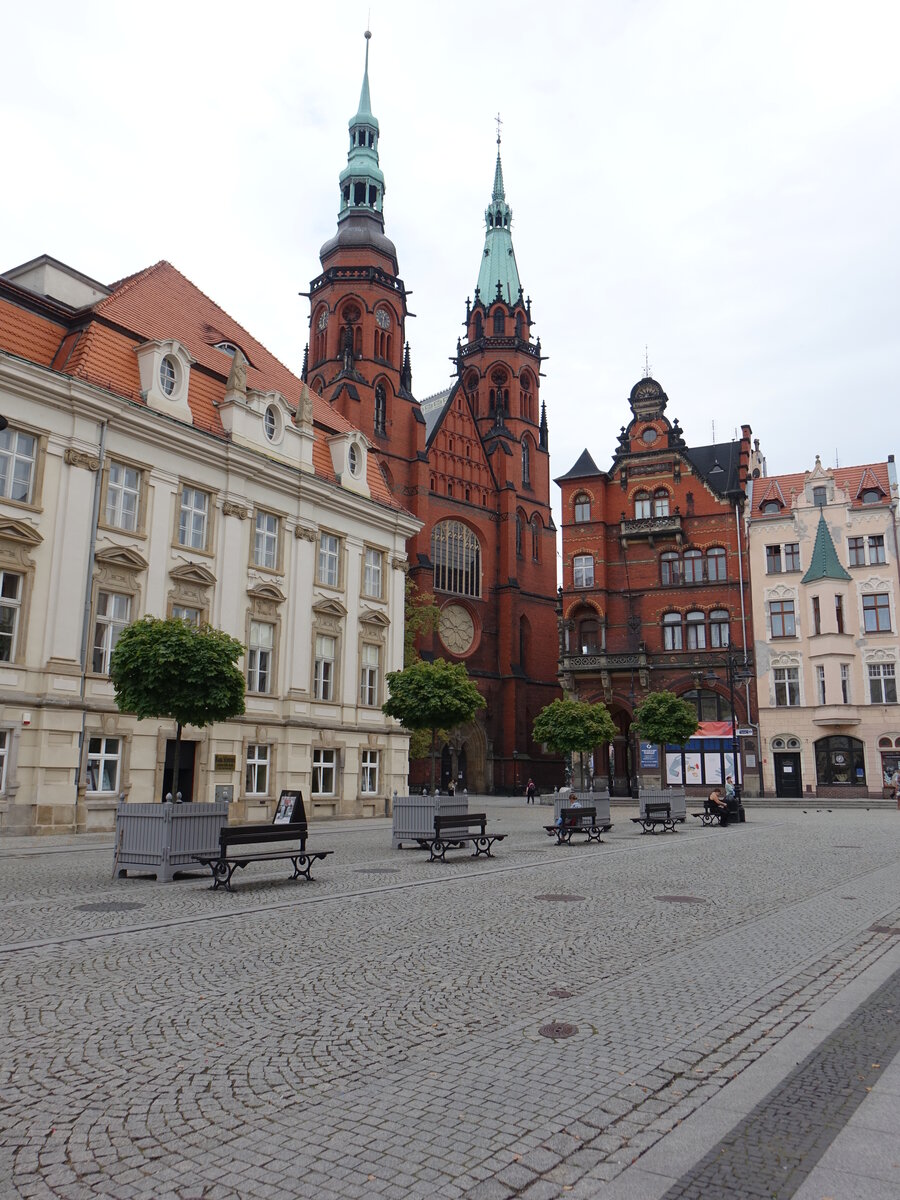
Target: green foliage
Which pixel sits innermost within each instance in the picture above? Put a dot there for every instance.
(664, 719)
(176, 670)
(431, 696)
(573, 726)
(435, 695)
(421, 616)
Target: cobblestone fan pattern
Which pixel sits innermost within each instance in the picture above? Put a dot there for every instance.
(374, 1035)
(773, 1150)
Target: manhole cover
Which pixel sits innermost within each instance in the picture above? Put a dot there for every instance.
(894, 929)
(560, 993)
(849, 847)
(557, 1030)
(377, 871)
(848, 897)
(560, 897)
(110, 906)
(681, 899)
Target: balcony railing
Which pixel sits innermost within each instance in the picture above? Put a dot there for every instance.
(649, 527)
(601, 661)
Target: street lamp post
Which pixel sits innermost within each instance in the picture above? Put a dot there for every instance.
(516, 771)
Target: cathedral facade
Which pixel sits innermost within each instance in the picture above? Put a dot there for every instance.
(471, 462)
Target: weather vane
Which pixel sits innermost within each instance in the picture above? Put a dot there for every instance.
(499, 123)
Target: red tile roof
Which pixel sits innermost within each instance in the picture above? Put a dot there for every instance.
(848, 479)
(153, 305)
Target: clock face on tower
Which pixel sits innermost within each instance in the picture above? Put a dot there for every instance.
(456, 627)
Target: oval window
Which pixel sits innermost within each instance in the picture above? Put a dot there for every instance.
(168, 375)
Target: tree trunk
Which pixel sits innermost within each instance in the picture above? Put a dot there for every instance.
(176, 762)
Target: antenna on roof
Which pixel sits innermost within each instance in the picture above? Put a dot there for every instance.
(714, 430)
(646, 363)
(837, 462)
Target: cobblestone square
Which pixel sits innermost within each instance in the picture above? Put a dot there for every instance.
(375, 1034)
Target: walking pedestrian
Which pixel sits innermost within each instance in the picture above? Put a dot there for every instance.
(530, 792)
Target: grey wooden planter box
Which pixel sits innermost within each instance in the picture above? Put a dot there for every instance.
(414, 815)
(598, 800)
(159, 839)
(674, 797)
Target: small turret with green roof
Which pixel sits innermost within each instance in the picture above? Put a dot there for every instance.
(825, 563)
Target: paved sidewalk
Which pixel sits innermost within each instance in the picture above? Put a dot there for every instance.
(383, 1030)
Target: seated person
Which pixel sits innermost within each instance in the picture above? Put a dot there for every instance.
(716, 805)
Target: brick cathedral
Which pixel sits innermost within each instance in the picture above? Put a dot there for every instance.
(472, 462)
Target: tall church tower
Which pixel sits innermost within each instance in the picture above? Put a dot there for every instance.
(357, 356)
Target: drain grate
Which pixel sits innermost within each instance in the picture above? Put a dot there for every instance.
(377, 871)
(894, 929)
(559, 897)
(846, 847)
(110, 906)
(557, 1030)
(681, 899)
(560, 993)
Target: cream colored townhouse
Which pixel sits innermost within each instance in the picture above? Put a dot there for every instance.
(158, 459)
(824, 575)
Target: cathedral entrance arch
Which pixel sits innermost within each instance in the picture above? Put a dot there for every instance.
(464, 759)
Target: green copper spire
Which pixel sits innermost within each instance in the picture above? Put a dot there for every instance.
(825, 563)
(362, 183)
(498, 263)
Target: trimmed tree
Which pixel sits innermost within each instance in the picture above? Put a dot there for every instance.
(664, 719)
(432, 695)
(574, 726)
(185, 673)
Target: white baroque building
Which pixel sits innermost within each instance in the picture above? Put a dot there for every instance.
(158, 460)
(824, 570)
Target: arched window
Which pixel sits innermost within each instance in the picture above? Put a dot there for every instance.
(498, 323)
(840, 760)
(320, 329)
(456, 557)
(693, 566)
(520, 325)
(710, 705)
(536, 539)
(660, 503)
(518, 536)
(641, 505)
(672, 639)
(526, 398)
(716, 564)
(719, 635)
(471, 386)
(590, 635)
(524, 641)
(669, 567)
(380, 408)
(582, 507)
(696, 631)
(479, 327)
(526, 462)
(771, 506)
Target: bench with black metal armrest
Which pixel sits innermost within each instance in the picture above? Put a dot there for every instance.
(576, 820)
(654, 817)
(715, 814)
(289, 825)
(457, 830)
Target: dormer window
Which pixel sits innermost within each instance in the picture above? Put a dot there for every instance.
(271, 423)
(820, 496)
(165, 368)
(871, 496)
(771, 506)
(228, 348)
(353, 460)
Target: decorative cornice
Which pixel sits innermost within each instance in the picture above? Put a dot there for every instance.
(267, 591)
(231, 508)
(19, 532)
(302, 531)
(124, 557)
(400, 564)
(195, 573)
(81, 458)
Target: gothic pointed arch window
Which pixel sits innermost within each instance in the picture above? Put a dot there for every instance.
(380, 408)
(526, 461)
(660, 503)
(520, 326)
(479, 327)
(499, 323)
(526, 400)
(351, 320)
(320, 330)
(536, 538)
(471, 389)
(456, 559)
(518, 535)
(499, 394)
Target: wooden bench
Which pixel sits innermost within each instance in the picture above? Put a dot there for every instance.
(457, 830)
(656, 816)
(576, 820)
(293, 829)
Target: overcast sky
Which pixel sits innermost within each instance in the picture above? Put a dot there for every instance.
(717, 181)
